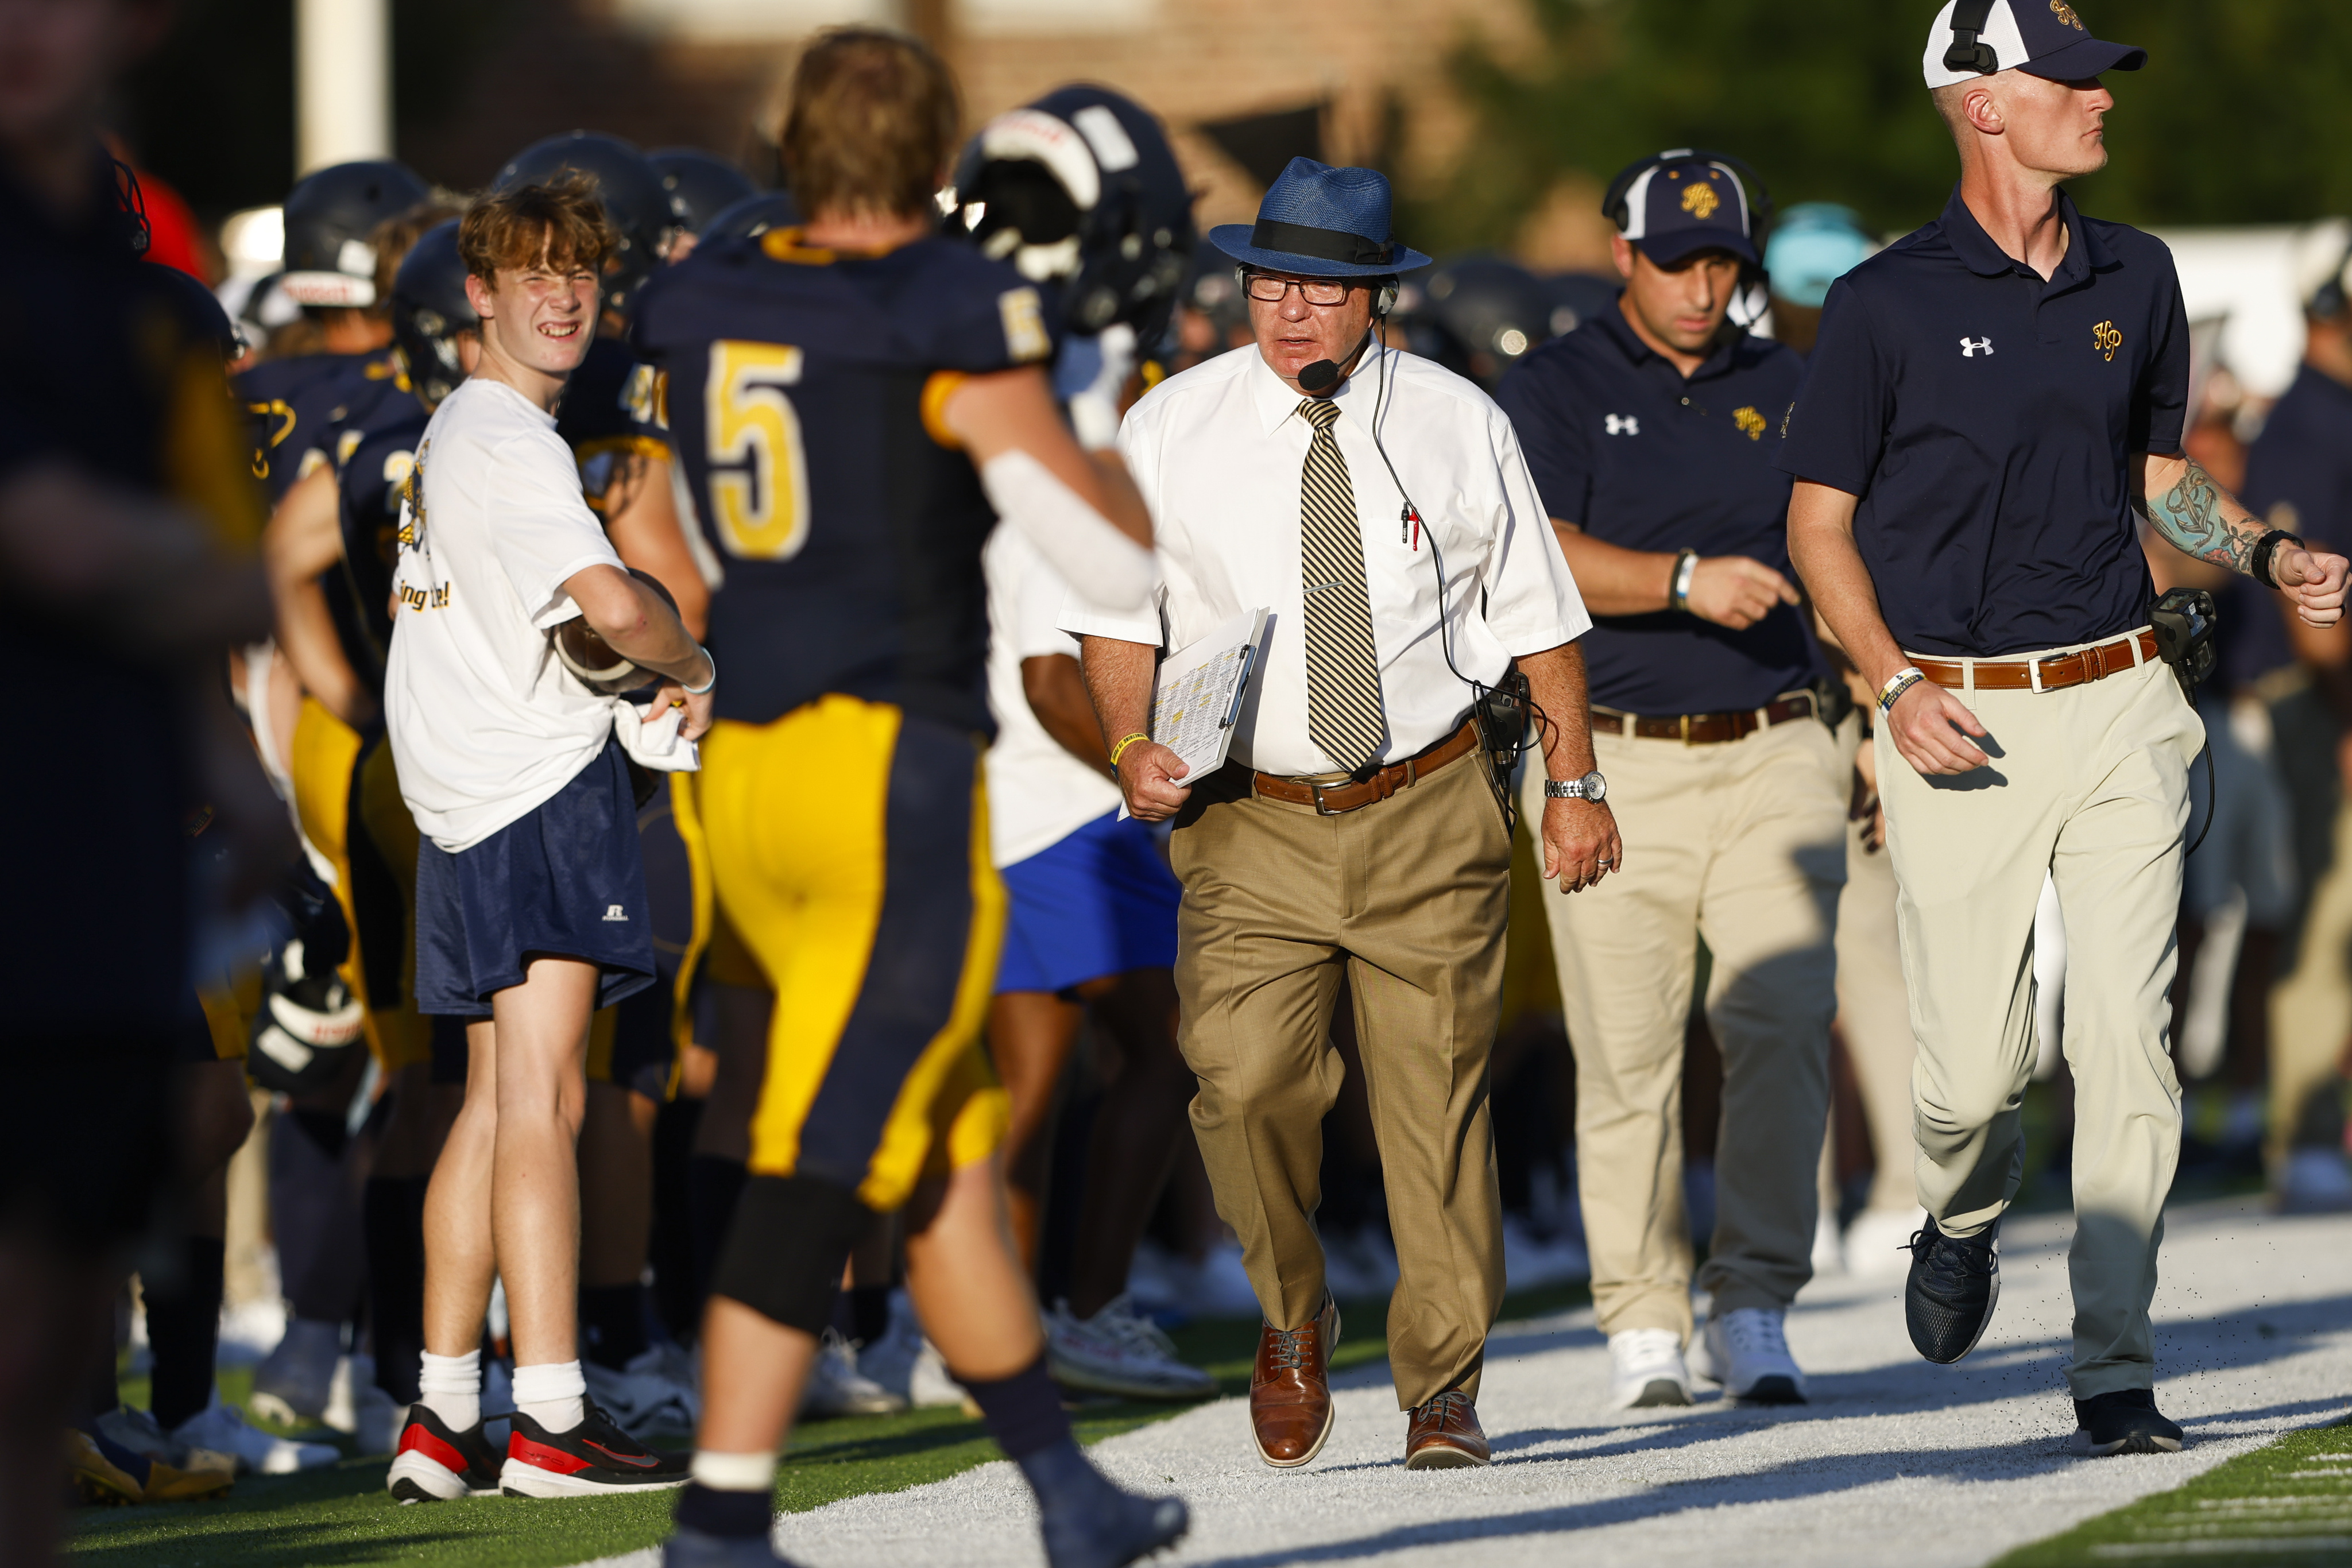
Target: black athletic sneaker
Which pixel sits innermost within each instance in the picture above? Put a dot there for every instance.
(437, 1462)
(1954, 1283)
(589, 1461)
(1089, 1521)
(2124, 1422)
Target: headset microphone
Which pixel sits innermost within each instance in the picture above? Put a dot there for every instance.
(1319, 377)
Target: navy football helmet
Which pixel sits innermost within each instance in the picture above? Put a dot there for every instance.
(330, 257)
(637, 203)
(429, 308)
(1081, 192)
(755, 215)
(701, 184)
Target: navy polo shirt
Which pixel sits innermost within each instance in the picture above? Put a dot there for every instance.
(2299, 478)
(1622, 446)
(1985, 419)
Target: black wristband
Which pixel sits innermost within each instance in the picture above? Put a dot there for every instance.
(2258, 565)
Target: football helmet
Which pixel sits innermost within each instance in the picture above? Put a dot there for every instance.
(755, 215)
(637, 203)
(1081, 192)
(429, 308)
(330, 259)
(1494, 311)
(701, 184)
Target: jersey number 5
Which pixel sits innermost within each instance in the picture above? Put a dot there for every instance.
(758, 473)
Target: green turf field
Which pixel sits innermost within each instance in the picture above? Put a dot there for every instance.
(2287, 1504)
(341, 1516)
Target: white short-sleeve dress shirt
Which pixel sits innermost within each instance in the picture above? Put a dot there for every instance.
(1218, 453)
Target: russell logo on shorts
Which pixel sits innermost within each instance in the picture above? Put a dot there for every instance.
(614, 911)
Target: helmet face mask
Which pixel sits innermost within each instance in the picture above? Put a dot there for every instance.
(1082, 193)
(430, 311)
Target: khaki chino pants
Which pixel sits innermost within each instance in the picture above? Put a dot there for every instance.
(2311, 1010)
(1743, 843)
(1874, 1011)
(1408, 896)
(2091, 785)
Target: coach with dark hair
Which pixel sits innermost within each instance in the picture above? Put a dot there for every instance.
(1355, 829)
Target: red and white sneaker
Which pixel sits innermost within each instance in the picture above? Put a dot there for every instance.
(589, 1461)
(436, 1462)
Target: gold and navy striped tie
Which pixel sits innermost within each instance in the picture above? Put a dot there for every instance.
(1343, 666)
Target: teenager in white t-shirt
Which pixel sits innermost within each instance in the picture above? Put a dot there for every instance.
(1090, 929)
(531, 891)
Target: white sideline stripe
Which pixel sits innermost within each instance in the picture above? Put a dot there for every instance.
(1946, 1467)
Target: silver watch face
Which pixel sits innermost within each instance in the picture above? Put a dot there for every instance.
(1596, 787)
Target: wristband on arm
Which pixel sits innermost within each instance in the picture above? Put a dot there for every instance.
(704, 689)
(1678, 591)
(1901, 681)
(2258, 565)
(1125, 741)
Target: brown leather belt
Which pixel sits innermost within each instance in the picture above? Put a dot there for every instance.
(1331, 800)
(2054, 672)
(1704, 729)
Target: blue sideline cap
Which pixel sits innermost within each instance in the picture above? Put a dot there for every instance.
(2040, 37)
(1683, 205)
(1813, 244)
(1321, 222)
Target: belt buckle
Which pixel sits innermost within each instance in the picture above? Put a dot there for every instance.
(2034, 673)
(1685, 720)
(1316, 792)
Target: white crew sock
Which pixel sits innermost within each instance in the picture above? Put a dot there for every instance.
(734, 1472)
(555, 1395)
(451, 1387)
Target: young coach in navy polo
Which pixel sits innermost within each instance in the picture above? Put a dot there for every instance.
(1991, 399)
(1651, 432)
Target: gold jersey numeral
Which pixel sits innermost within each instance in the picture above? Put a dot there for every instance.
(759, 469)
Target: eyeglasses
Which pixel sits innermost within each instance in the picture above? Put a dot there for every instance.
(1268, 289)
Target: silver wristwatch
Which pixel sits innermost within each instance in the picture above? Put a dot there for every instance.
(1592, 786)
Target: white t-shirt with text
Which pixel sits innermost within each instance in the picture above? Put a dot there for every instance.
(486, 722)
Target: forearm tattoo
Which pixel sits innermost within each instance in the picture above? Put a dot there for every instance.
(2205, 521)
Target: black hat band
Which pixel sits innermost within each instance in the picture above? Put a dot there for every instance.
(1323, 245)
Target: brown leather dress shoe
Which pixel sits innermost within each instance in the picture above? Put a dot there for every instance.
(1445, 1434)
(1290, 1389)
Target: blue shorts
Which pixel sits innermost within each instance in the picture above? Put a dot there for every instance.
(1099, 902)
(565, 881)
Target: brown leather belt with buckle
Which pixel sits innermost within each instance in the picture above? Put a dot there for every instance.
(1704, 729)
(1331, 800)
(2054, 672)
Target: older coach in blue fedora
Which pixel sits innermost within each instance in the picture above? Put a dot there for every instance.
(1377, 505)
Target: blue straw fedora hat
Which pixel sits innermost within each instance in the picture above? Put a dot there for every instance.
(1321, 222)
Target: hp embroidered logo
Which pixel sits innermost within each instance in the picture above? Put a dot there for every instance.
(614, 911)
(1621, 425)
(1971, 347)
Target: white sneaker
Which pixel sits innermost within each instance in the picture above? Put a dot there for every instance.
(222, 1429)
(835, 1386)
(294, 1383)
(929, 1385)
(1746, 1352)
(356, 1406)
(1646, 1370)
(1118, 1350)
(645, 1395)
(1878, 1242)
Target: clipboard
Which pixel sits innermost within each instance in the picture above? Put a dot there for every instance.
(1198, 692)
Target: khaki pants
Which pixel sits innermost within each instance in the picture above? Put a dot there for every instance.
(2091, 785)
(2311, 1011)
(1408, 896)
(1742, 844)
(1874, 1013)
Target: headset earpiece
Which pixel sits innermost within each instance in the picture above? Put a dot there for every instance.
(1385, 300)
(1970, 52)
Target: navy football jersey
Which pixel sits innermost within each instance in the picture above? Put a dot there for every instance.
(296, 403)
(804, 390)
(609, 414)
(376, 460)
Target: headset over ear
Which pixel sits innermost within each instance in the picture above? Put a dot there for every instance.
(1970, 52)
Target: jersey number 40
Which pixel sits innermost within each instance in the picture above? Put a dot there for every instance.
(758, 472)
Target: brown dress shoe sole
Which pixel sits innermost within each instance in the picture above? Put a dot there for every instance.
(1442, 1457)
(1330, 1417)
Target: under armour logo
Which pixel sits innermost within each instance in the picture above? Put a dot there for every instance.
(614, 912)
(1971, 347)
(1623, 424)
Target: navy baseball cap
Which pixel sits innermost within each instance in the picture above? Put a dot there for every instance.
(1683, 205)
(2040, 37)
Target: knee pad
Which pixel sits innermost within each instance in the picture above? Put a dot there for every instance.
(785, 1247)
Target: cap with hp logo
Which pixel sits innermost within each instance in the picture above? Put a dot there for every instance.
(1684, 205)
(2041, 38)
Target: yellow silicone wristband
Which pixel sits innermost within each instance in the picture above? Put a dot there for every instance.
(1125, 741)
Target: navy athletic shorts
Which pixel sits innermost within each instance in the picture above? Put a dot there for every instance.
(567, 880)
(1098, 902)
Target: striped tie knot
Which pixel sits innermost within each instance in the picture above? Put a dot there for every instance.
(1320, 411)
